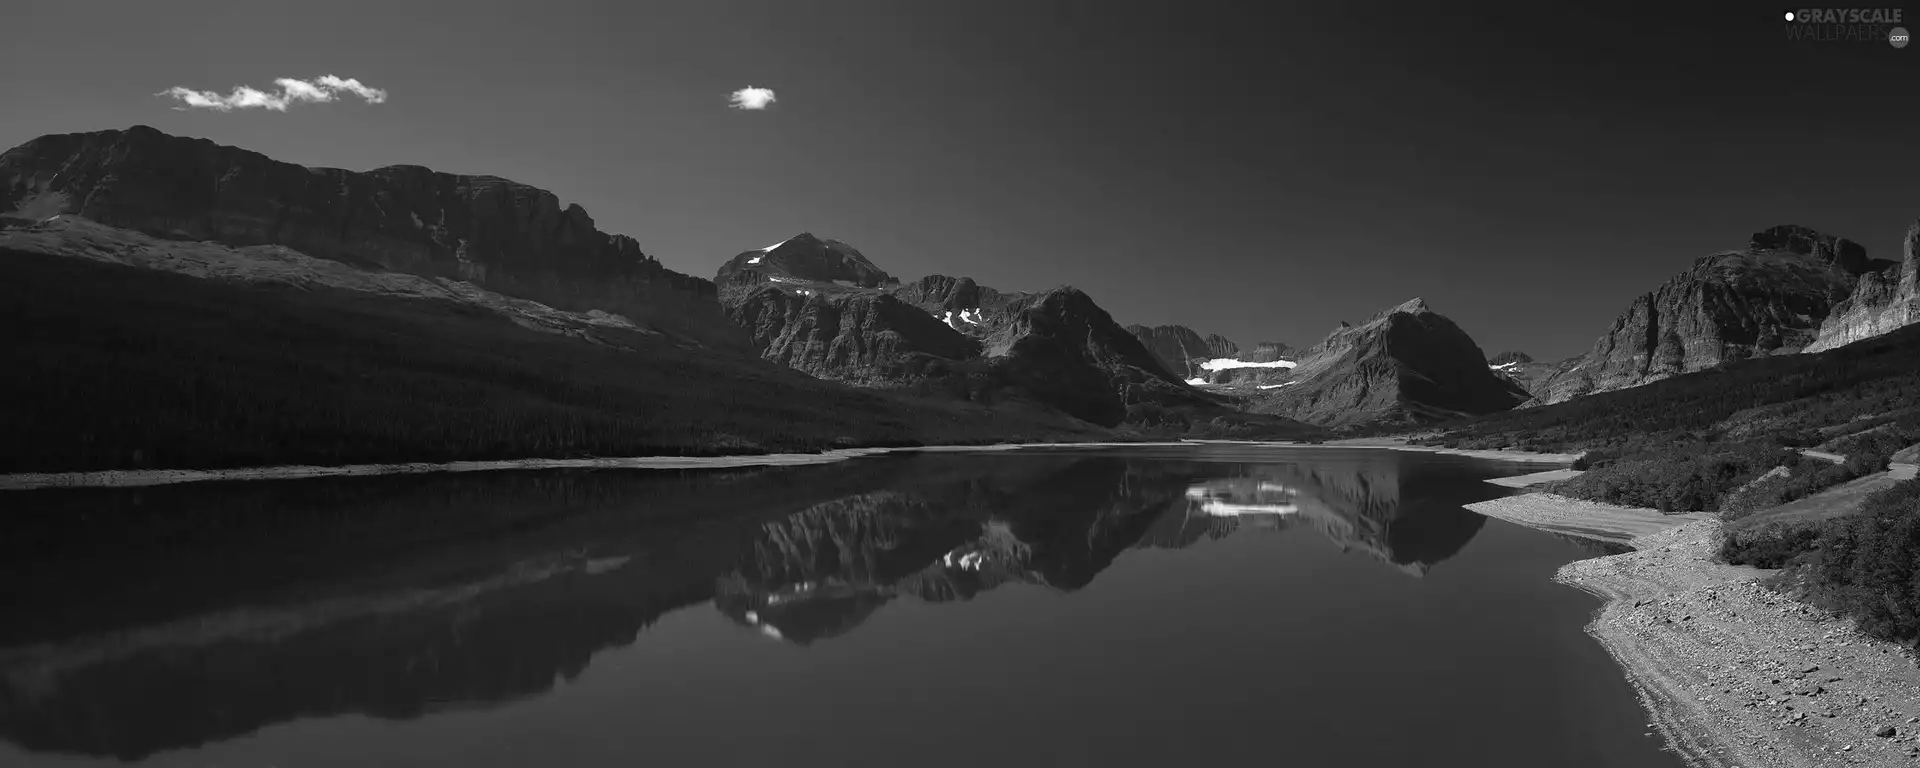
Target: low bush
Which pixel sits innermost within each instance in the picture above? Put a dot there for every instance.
(1774, 545)
(1868, 564)
(1679, 480)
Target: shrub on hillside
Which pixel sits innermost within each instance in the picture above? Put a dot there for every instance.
(1593, 460)
(1679, 480)
(1868, 564)
(1771, 546)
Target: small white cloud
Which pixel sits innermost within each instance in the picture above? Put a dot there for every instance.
(372, 95)
(751, 98)
(320, 90)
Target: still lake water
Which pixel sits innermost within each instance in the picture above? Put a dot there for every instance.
(1148, 606)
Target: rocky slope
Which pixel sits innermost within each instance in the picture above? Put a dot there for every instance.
(1883, 301)
(1180, 349)
(1771, 298)
(860, 338)
(1269, 351)
(497, 234)
(1407, 363)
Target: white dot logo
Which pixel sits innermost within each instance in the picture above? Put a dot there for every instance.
(1789, 15)
(1898, 37)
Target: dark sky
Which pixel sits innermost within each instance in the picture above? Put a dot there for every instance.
(1259, 170)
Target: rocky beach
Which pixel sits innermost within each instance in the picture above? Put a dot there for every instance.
(1732, 673)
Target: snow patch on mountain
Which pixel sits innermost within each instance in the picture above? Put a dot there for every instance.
(1196, 381)
(1277, 386)
(1217, 508)
(1226, 363)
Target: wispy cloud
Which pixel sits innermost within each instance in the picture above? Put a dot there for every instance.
(751, 98)
(319, 90)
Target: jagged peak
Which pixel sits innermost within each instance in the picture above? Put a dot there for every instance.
(1413, 306)
(1794, 238)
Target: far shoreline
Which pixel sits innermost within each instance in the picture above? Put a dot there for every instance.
(133, 478)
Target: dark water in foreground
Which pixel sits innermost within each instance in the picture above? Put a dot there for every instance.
(1172, 606)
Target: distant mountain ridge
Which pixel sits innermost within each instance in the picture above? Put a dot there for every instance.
(1055, 347)
(497, 234)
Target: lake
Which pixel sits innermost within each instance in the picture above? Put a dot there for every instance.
(1205, 604)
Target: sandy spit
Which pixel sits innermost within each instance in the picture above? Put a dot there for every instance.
(1578, 517)
(1537, 478)
(1396, 444)
(143, 477)
(1498, 455)
(1733, 673)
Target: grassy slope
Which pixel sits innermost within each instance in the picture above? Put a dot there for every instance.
(1786, 396)
(1682, 444)
(113, 367)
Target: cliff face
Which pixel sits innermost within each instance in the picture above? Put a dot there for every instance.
(1269, 351)
(1407, 363)
(498, 234)
(1180, 349)
(1883, 301)
(1771, 298)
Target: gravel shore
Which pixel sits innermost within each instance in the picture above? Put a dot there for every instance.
(1735, 674)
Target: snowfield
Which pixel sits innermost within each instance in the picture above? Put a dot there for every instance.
(1226, 363)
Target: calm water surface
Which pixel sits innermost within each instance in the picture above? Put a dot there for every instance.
(1154, 606)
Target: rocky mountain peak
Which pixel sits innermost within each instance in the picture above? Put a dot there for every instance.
(1413, 306)
(805, 257)
(1793, 238)
(1510, 357)
(1407, 363)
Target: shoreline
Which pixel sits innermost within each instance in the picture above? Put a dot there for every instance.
(129, 478)
(1730, 672)
(1400, 444)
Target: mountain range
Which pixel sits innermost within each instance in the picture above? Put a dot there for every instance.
(406, 281)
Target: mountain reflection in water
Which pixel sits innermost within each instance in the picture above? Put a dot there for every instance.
(198, 613)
